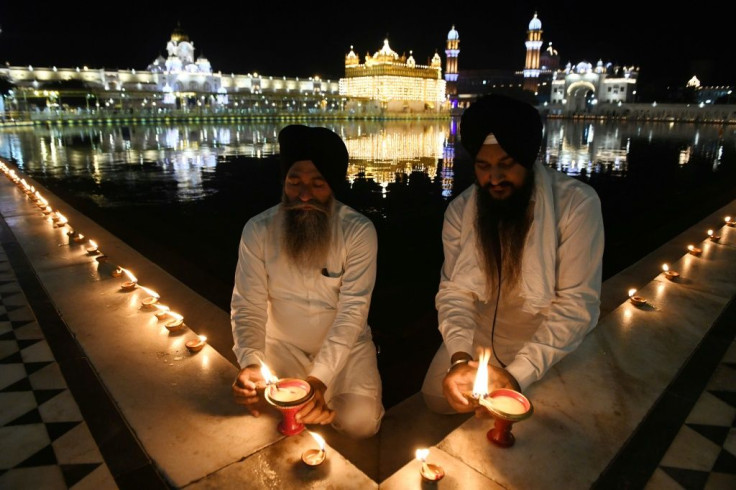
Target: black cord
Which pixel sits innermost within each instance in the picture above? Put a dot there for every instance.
(499, 263)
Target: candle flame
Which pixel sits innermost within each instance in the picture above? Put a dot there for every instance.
(665, 267)
(631, 292)
(130, 275)
(267, 375)
(480, 386)
(422, 454)
(150, 291)
(320, 440)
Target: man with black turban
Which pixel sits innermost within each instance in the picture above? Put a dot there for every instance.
(523, 252)
(303, 285)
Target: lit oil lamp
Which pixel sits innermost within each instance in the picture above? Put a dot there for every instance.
(729, 221)
(93, 248)
(59, 220)
(315, 457)
(197, 344)
(670, 274)
(162, 311)
(131, 283)
(175, 323)
(507, 406)
(117, 272)
(149, 300)
(713, 237)
(693, 250)
(79, 238)
(47, 210)
(288, 395)
(636, 300)
(429, 471)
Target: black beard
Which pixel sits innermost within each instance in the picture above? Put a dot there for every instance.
(307, 232)
(502, 226)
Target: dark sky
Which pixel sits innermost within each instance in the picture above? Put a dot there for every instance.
(302, 39)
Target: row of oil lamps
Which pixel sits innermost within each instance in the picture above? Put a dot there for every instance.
(673, 275)
(174, 322)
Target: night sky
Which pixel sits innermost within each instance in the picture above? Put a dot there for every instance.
(288, 39)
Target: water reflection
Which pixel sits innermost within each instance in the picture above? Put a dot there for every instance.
(177, 162)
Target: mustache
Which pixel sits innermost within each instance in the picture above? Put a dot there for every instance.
(306, 206)
(487, 186)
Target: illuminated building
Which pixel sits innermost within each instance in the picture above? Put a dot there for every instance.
(179, 81)
(577, 88)
(393, 83)
(533, 47)
(452, 52)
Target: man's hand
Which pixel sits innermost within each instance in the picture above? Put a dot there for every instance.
(316, 411)
(245, 388)
(460, 380)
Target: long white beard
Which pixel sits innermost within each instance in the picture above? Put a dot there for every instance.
(307, 234)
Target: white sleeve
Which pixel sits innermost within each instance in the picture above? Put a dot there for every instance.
(456, 305)
(248, 307)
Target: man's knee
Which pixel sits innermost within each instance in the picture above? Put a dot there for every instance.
(437, 404)
(357, 416)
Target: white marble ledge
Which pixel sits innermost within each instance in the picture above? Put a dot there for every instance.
(279, 466)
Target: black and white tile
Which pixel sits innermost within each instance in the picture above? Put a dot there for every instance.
(44, 440)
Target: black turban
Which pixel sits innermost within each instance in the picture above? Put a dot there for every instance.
(320, 145)
(516, 125)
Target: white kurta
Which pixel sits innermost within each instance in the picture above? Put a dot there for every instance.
(558, 299)
(319, 318)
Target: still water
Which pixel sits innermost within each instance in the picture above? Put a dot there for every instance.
(180, 194)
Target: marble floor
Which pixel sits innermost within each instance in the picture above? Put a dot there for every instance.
(60, 429)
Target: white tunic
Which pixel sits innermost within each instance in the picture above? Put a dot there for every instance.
(558, 299)
(321, 316)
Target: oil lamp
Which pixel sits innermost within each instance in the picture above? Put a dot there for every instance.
(636, 300)
(693, 250)
(196, 345)
(729, 221)
(315, 457)
(131, 283)
(175, 323)
(59, 220)
(151, 299)
(670, 274)
(162, 311)
(713, 238)
(288, 395)
(93, 248)
(429, 471)
(507, 406)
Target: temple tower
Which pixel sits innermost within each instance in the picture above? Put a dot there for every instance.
(452, 50)
(533, 49)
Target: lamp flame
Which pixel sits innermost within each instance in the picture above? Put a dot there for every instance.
(691, 247)
(93, 245)
(665, 267)
(632, 291)
(422, 455)
(267, 375)
(175, 315)
(320, 440)
(151, 292)
(480, 385)
(202, 338)
(130, 275)
(727, 219)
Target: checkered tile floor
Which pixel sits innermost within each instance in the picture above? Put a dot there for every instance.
(703, 453)
(44, 441)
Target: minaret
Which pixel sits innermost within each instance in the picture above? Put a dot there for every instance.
(453, 49)
(533, 48)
